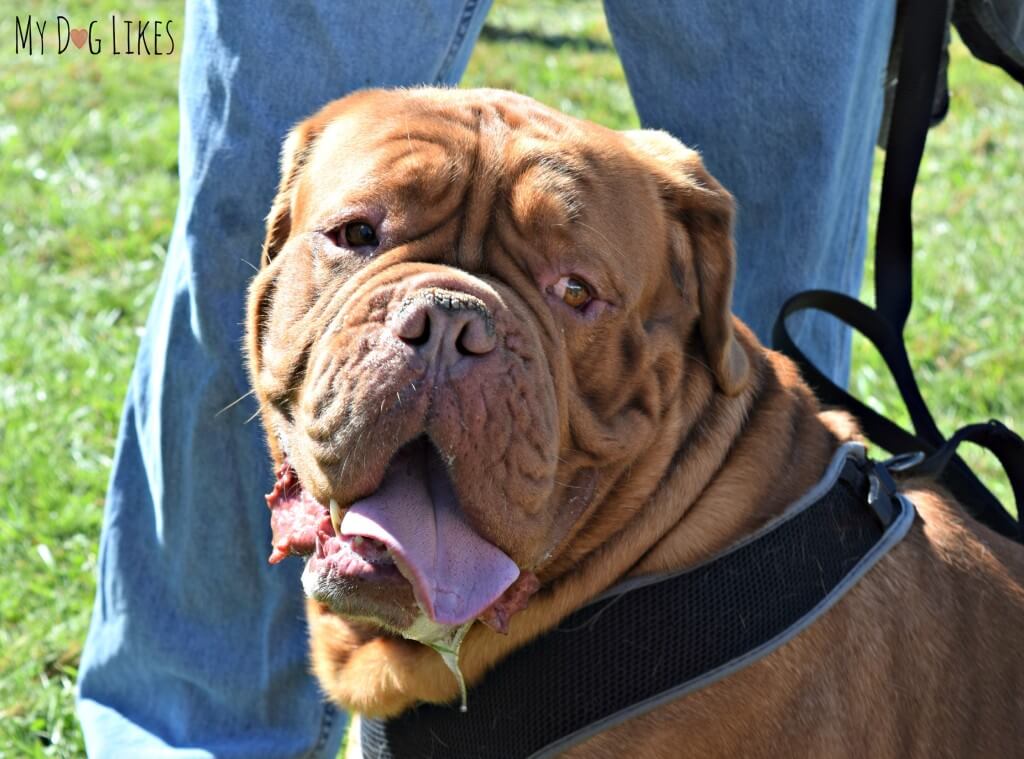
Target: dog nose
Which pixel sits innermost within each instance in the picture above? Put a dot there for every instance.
(444, 326)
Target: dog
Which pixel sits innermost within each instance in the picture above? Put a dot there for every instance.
(498, 370)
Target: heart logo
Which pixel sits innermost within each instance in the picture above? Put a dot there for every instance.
(78, 36)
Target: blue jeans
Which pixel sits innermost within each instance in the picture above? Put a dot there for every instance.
(197, 646)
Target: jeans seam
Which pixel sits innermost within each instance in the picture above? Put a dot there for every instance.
(326, 727)
(468, 11)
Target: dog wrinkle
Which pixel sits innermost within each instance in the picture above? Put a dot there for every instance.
(542, 196)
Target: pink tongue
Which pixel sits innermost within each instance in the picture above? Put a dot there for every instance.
(455, 574)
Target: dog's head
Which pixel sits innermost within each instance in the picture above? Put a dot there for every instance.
(473, 316)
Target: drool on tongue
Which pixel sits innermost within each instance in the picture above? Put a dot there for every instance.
(455, 574)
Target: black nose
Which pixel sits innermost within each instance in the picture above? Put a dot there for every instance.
(444, 325)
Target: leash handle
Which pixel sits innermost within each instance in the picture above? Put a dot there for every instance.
(941, 460)
(993, 435)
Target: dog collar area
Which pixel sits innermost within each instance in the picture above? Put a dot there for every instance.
(653, 639)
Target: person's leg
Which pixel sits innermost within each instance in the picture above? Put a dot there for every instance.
(784, 102)
(197, 647)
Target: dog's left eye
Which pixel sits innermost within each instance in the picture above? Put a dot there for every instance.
(574, 292)
(359, 234)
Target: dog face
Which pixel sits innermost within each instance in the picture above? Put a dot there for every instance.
(473, 314)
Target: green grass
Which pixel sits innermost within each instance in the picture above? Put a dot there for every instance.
(89, 181)
(88, 171)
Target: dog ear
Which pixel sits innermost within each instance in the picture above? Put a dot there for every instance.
(706, 211)
(294, 152)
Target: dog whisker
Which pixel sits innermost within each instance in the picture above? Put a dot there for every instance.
(255, 414)
(234, 402)
(344, 465)
(567, 485)
(600, 234)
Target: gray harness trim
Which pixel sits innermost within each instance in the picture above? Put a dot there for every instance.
(893, 535)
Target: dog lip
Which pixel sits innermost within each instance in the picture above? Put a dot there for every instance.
(297, 516)
(294, 515)
(303, 526)
(341, 556)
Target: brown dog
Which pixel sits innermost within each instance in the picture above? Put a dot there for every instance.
(497, 341)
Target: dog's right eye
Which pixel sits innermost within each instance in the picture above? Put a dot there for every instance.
(354, 235)
(359, 234)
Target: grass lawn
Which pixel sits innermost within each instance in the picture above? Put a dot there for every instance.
(88, 171)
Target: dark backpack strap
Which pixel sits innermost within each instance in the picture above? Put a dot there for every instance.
(924, 36)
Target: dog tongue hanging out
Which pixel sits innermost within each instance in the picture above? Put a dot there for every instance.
(409, 530)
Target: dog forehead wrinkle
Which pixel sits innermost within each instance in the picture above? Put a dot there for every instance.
(477, 213)
(544, 181)
(366, 172)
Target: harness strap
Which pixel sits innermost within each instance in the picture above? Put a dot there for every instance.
(923, 38)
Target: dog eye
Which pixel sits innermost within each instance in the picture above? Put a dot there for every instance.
(574, 292)
(359, 234)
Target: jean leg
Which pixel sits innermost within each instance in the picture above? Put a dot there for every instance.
(197, 648)
(784, 101)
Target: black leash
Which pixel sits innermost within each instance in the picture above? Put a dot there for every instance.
(651, 640)
(924, 35)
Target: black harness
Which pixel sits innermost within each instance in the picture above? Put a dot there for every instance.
(650, 640)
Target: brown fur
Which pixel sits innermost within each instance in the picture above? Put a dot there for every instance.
(645, 440)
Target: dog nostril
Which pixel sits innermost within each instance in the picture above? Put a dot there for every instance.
(460, 343)
(410, 336)
(475, 339)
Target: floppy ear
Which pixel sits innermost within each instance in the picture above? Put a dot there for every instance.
(694, 198)
(294, 153)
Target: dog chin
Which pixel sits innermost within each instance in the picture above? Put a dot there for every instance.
(375, 604)
(349, 600)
